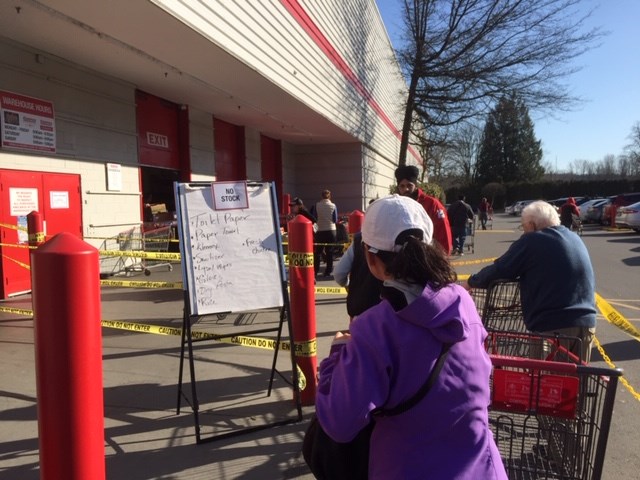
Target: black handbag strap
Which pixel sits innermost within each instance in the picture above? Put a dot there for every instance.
(420, 394)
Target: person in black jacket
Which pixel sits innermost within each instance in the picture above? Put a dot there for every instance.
(352, 271)
(460, 214)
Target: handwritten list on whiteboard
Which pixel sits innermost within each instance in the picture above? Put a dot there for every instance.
(231, 259)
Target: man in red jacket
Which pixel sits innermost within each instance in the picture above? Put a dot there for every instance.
(407, 178)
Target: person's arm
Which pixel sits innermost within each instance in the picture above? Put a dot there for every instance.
(334, 216)
(343, 267)
(350, 385)
(441, 227)
(509, 266)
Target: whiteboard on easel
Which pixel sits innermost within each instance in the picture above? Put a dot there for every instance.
(230, 246)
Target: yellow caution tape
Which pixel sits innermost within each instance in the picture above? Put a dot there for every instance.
(140, 284)
(614, 317)
(473, 262)
(140, 254)
(302, 349)
(24, 265)
(608, 361)
(17, 311)
(299, 259)
(37, 237)
(302, 380)
(16, 245)
(13, 227)
(331, 290)
(464, 276)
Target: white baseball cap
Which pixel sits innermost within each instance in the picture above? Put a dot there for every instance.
(388, 217)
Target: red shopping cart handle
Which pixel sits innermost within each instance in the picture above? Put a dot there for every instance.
(530, 363)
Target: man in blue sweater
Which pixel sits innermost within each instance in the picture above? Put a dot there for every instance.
(557, 284)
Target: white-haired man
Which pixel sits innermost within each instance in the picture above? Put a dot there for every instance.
(557, 284)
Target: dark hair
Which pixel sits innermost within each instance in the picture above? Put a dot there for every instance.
(419, 263)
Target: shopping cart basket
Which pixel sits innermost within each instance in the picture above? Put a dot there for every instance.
(127, 240)
(551, 419)
(470, 239)
(499, 306)
(156, 240)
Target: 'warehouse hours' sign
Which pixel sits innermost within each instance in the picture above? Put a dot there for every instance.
(27, 123)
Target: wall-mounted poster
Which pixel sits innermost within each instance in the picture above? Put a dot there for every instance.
(27, 123)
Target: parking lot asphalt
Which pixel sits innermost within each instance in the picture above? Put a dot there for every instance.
(145, 437)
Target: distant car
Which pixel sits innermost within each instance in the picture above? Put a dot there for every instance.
(509, 209)
(517, 208)
(629, 216)
(594, 212)
(586, 205)
(621, 200)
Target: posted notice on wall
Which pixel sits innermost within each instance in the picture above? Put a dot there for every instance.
(27, 123)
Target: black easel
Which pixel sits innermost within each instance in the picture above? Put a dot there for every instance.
(187, 340)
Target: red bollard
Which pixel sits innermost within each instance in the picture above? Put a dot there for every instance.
(65, 279)
(35, 229)
(356, 218)
(303, 303)
(613, 212)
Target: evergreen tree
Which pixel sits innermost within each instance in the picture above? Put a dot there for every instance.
(509, 151)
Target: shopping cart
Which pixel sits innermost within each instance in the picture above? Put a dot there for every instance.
(499, 306)
(117, 264)
(470, 239)
(156, 240)
(550, 416)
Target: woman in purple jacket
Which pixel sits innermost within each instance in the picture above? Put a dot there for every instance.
(391, 349)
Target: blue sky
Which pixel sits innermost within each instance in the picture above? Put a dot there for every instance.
(609, 81)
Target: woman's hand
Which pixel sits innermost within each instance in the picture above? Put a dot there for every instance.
(341, 338)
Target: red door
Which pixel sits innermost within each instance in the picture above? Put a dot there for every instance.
(55, 196)
(62, 204)
(20, 194)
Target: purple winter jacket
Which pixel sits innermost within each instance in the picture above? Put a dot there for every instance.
(388, 358)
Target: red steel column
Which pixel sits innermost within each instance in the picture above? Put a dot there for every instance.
(303, 303)
(65, 279)
(35, 229)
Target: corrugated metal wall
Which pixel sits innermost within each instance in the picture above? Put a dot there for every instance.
(266, 36)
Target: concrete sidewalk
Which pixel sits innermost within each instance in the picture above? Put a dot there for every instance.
(144, 437)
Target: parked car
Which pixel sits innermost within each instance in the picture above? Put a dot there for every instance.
(517, 208)
(621, 200)
(629, 216)
(594, 212)
(509, 209)
(558, 202)
(586, 205)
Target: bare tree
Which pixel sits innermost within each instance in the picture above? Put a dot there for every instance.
(463, 152)
(459, 56)
(632, 150)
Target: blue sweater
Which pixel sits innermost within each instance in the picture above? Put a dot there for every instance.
(557, 284)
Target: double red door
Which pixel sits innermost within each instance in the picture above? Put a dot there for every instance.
(55, 196)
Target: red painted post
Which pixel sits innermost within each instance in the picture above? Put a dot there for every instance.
(35, 229)
(303, 303)
(613, 212)
(65, 279)
(356, 218)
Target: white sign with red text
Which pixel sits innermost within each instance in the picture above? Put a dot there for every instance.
(27, 123)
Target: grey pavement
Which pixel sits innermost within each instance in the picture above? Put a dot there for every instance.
(145, 438)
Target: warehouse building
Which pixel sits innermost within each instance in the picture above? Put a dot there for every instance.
(104, 104)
